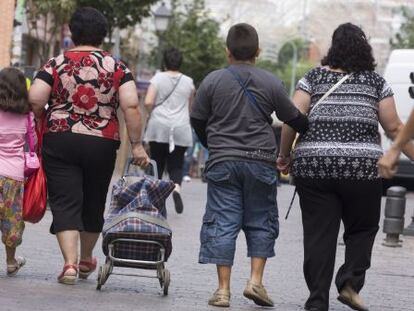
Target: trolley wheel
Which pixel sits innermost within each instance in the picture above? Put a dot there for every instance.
(167, 279)
(99, 281)
(108, 263)
(106, 271)
(160, 274)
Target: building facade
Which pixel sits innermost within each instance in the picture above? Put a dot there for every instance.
(6, 31)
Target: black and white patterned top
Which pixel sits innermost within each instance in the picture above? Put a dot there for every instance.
(343, 141)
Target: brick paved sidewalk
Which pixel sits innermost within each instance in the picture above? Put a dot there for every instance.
(390, 281)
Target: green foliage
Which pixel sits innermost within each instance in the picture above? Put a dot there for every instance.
(122, 13)
(55, 13)
(283, 67)
(60, 10)
(197, 36)
(404, 39)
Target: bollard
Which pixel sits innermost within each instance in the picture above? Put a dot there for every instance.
(409, 231)
(394, 216)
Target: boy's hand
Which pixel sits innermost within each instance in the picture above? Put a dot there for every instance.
(283, 164)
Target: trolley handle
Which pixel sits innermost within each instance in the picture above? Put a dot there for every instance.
(150, 170)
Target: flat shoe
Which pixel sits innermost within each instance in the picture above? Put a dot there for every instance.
(350, 303)
(68, 279)
(220, 298)
(258, 294)
(86, 268)
(14, 268)
(178, 202)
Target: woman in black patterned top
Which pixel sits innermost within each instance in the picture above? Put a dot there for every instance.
(335, 164)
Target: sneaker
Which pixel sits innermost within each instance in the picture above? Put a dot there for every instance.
(178, 202)
(220, 298)
(187, 178)
(258, 294)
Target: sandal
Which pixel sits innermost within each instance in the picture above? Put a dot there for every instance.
(220, 298)
(14, 268)
(86, 268)
(68, 279)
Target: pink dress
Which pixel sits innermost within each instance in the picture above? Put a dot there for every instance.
(13, 129)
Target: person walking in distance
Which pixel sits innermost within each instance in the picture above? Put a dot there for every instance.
(15, 119)
(335, 164)
(231, 116)
(168, 131)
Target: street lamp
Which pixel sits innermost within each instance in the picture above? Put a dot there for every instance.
(294, 65)
(162, 17)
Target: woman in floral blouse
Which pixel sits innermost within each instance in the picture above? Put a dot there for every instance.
(83, 88)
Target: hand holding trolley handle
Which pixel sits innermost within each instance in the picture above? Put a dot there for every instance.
(139, 155)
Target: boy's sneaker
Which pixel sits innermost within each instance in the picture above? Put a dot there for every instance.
(258, 294)
(186, 178)
(220, 298)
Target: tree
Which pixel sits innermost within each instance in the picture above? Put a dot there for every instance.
(404, 39)
(283, 67)
(46, 18)
(197, 35)
(120, 13)
(51, 15)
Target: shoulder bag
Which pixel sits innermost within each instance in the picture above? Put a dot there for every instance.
(329, 92)
(35, 188)
(250, 96)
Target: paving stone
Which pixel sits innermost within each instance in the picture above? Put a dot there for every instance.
(389, 283)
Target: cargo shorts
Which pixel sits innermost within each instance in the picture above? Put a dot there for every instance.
(241, 195)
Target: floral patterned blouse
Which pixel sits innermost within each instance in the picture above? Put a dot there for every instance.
(84, 96)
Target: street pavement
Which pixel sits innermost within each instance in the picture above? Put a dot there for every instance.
(389, 283)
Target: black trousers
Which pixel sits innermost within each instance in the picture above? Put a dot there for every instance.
(324, 203)
(174, 160)
(78, 171)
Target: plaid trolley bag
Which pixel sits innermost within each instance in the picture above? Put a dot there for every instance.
(135, 233)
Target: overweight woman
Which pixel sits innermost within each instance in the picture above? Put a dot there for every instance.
(83, 88)
(335, 164)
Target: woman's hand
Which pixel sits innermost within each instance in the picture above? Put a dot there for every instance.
(387, 165)
(140, 157)
(283, 164)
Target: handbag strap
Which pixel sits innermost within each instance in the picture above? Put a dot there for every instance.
(29, 133)
(346, 77)
(250, 96)
(169, 94)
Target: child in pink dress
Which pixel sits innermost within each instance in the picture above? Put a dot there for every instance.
(14, 110)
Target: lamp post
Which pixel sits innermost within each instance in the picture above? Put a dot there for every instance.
(162, 17)
(294, 65)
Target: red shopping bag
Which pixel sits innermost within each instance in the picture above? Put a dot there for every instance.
(35, 189)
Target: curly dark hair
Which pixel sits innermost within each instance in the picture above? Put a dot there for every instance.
(13, 91)
(350, 50)
(88, 27)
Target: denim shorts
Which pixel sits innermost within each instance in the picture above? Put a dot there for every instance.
(241, 195)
